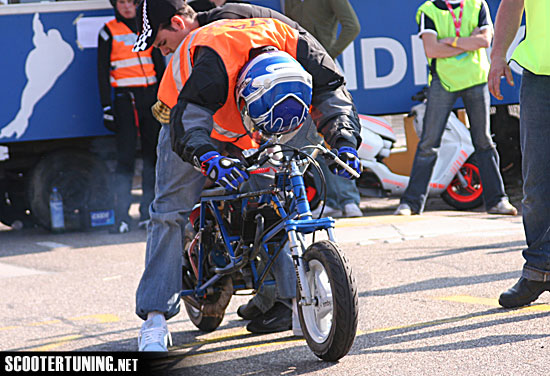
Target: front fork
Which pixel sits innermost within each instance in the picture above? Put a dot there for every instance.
(296, 240)
(297, 246)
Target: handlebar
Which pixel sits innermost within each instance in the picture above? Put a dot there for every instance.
(267, 152)
(341, 163)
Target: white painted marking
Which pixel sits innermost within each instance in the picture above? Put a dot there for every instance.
(112, 278)
(9, 271)
(52, 245)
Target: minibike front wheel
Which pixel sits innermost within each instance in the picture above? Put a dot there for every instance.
(329, 324)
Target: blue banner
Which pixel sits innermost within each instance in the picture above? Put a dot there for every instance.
(386, 64)
(49, 69)
(50, 76)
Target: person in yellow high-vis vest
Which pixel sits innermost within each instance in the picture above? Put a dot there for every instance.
(204, 91)
(455, 34)
(128, 83)
(533, 54)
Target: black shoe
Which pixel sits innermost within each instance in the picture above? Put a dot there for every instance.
(523, 293)
(277, 319)
(248, 311)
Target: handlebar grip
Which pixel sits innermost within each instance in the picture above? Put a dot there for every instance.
(346, 167)
(342, 164)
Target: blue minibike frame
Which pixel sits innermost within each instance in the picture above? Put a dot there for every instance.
(295, 223)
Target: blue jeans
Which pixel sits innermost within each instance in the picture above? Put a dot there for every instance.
(440, 103)
(178, 188)
(534, 137)
(340, 191)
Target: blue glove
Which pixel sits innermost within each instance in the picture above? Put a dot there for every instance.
(227, 172)
(349, 156)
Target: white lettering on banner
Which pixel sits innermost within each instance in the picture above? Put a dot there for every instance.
(399, 56)
(100, 215)
(420, 62)
(349, 69)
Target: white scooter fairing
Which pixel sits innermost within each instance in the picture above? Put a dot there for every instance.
(378, 138)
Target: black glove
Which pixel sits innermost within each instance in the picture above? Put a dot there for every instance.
(109, 119)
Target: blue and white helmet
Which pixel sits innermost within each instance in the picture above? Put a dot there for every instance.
(273, 93)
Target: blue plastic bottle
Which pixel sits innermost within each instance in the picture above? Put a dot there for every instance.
(56, 211)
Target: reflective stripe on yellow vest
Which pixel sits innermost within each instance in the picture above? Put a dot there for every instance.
(469, 68)
(129, 68)
(232, 40)
(533, 53)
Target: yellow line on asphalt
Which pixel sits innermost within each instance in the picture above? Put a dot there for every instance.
(457, 298)
(53, 345)
(8, 328)
(101, 318)
(377, 220)
(40, 323)
(240, 348)
(233, 334)
(494, 303)
(537, 308)
(418, 324)
(238, 333)
(471, 300)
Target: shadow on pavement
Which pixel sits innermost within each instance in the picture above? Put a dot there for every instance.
(295, 359)
(371, 341)
(442, 282)
(38, 240)
(510, 247)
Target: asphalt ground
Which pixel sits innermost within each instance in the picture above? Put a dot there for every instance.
(428, 288)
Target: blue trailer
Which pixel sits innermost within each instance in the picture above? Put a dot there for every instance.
(51, 129)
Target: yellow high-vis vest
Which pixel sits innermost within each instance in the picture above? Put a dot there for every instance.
(533, 53)
(469, 68)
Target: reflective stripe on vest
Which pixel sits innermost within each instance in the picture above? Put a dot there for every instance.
(129, 68)
(469, 68)
(232, 40)
(533, 53)
(130, 62)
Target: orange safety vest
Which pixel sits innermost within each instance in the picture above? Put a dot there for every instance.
(232, 40)
(129, 68)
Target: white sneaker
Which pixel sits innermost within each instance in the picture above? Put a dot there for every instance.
(403, 209)
(154, 335)
(503, 207)
(296, 328)
(121, 227)
(328, 212)
(352, 210)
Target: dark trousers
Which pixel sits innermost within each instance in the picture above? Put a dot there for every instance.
(440, 103)
(534, 135)
(134, 120)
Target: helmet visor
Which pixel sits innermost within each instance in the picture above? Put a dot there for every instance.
(288, 113)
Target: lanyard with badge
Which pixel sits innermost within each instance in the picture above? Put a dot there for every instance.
(457, 22)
